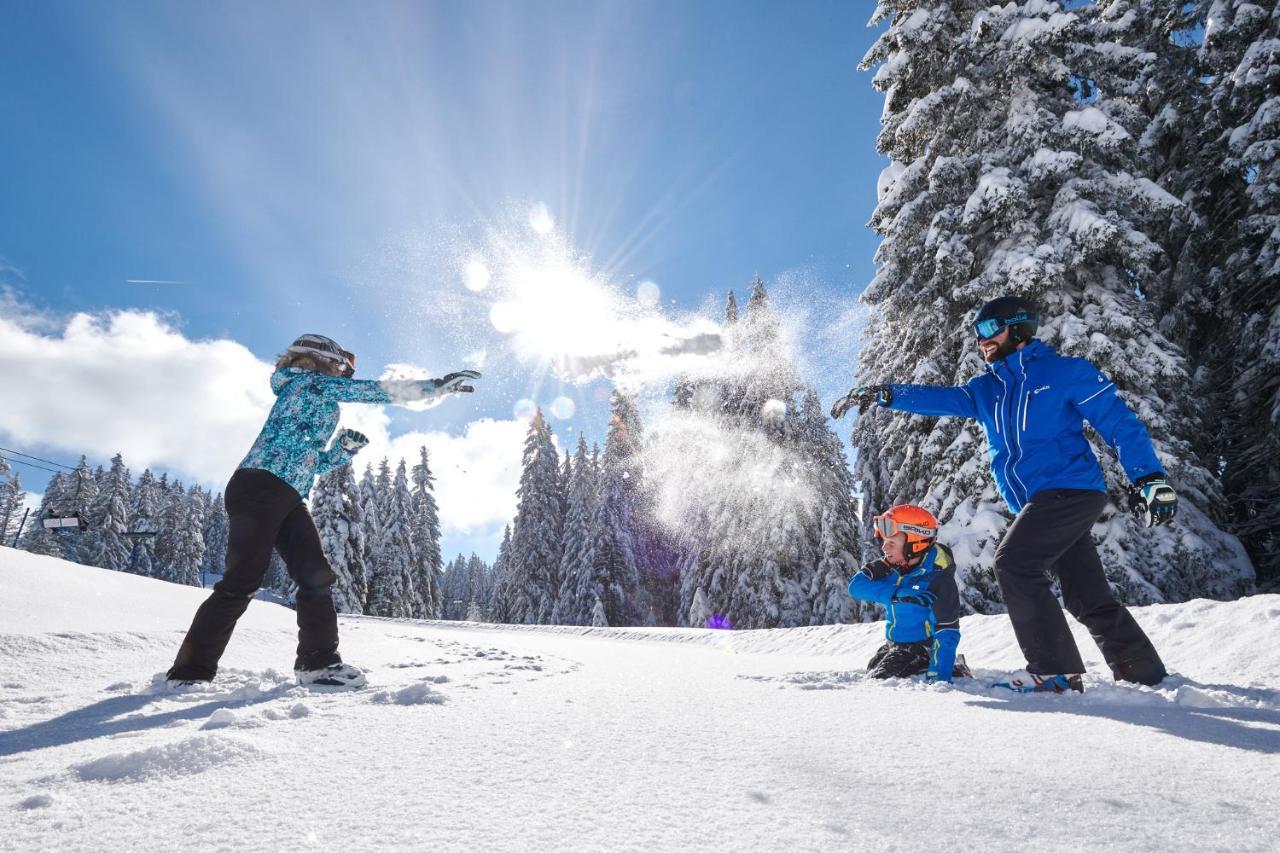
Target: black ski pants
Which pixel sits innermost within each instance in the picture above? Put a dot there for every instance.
(264, 512)
(899, 660)
(1050, 538)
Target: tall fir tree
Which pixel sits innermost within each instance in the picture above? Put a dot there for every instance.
(428, 568)
(335, 507)
(1003, 181)
(530, 584)
(578, 587)
(104, 543)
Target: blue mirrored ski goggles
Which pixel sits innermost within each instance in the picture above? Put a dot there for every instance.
(992, 326)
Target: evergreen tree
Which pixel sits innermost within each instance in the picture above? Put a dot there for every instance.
(578, 592)
(335, 507)
(11, 500)
(144, 514)
(456, 589)
(1004, 181)
(598, 617)
(104, 544)
(504, 600)
(699, 611)
(391, 590)
(37, 539)
(217, 530)
(531, 583)
(1241, 57)
(187, 555)
(426, 541)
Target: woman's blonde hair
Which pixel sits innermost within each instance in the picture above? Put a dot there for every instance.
(301, 359)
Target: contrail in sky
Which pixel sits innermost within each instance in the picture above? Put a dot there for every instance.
(152, 281)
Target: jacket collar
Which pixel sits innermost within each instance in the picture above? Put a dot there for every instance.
(1034, 349)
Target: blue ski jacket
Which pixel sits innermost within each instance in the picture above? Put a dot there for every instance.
(1032, 406)
(905, 622)
(292, 444)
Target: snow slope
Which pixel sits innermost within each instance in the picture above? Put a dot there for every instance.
(481, 737)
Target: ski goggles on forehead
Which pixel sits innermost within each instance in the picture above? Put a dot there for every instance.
(992, 326)
(886, 527)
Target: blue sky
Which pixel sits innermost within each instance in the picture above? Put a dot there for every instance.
(322, 166)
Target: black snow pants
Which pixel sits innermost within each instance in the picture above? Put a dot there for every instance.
(1050, 538)
(899, 660)
(264, 512)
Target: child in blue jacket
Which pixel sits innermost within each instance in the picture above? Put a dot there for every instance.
(916, 584)
(265, 507)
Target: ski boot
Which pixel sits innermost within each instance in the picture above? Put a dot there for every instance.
(1034, 682)
(333, 675)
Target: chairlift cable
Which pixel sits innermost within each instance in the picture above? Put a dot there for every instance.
(31, 465)
(36, 458)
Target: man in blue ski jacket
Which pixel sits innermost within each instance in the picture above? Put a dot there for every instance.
(916, 584)
(1032, 404)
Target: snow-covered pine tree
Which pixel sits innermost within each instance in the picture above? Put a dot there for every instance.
(598, 617)
(217, 530)
(480, 587)
(578, 592)
(531, 582)
(80, 496)
(455, 589)
(834, 528)
(699, 612)
(503, 601)
(425, 528)
(173, 511)
(104, 544)
(1003, 181)
(1241, 55)
(187, 553)
(11, 500)
(391, 578)
(618, 547)
(335, 507)
(144, 511)
(36, 538)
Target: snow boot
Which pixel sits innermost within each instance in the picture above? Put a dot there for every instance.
(178, 684)
(333, 675)
(1141, 669)
(1033, 682)
(961, 669)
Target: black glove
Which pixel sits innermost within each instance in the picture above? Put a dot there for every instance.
(877, 569)
(352, 442)
(919, 597)
(862, 396)
(1153, 500)
(455, 383)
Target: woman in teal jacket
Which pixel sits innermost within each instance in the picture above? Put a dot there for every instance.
(265, 507)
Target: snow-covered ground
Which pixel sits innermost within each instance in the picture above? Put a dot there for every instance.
(482, 737)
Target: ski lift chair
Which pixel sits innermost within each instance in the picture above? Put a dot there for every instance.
(64, 522)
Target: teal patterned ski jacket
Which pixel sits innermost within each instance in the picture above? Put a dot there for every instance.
(293, 442)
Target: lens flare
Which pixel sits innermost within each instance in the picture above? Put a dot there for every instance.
(648, 294)
(540, 220)
(476, 275)
(525, 409)
(563, 408)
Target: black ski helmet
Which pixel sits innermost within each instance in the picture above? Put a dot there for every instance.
(1016, 314)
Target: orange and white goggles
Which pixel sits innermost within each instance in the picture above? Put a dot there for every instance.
(886, 526)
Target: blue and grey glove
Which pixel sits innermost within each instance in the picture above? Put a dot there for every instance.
(1152, 500)
(862, 397)
(351, 441)
(918, 597)
(877, 569)
(455, 383)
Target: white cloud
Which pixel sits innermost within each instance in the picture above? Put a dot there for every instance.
(477, 473)
(128, 382)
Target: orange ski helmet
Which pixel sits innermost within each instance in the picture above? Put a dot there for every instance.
(916, 522)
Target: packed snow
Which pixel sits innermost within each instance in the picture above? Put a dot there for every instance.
(475, 736)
